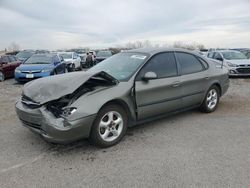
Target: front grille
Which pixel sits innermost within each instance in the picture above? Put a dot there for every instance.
(29, 102)
(244, 70)
(33, 125)
(31, 72)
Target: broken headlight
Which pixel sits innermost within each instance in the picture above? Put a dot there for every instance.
(68, 111)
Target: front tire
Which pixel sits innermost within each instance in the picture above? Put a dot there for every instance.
(211, 100)
(73, 68)
(109, 126)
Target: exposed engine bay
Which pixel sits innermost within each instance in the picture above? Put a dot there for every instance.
(58, 107)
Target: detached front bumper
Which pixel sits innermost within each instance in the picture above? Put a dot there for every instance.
(52, 129)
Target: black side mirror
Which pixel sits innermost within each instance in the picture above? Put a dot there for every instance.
(219, 58)
(149, 76)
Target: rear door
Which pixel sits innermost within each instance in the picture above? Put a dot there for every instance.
(194, 78)
(161, 95)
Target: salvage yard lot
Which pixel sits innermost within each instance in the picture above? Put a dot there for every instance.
(191, 149)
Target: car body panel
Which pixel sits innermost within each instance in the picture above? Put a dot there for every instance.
(157, 96)
(141, 99)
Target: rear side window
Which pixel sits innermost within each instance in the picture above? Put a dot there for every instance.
(189, 63)
(12, 59)
(162, 64)
(203, 62)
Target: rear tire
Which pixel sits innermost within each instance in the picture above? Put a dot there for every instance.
(109, 126)
(211, 100)
(2, 77)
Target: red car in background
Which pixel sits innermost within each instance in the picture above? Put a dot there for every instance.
(8, 64)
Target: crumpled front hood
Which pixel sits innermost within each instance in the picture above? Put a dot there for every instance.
(51, 88)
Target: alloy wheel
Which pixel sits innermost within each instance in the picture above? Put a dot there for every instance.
(212, 99)
(111, 126)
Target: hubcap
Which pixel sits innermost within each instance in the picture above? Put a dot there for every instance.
(110, 126)
(212, 99)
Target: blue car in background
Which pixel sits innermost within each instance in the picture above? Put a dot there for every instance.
(40, 65)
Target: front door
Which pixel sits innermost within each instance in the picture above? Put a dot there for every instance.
(162, 94)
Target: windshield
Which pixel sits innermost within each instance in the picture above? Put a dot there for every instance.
(39, 59)
(66, 56)
(121, 66)
(24, 55)
(104, 54)
(233, 55)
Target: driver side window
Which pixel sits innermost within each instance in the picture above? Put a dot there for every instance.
(163, 64)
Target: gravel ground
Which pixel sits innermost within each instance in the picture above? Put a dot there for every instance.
(186, 150)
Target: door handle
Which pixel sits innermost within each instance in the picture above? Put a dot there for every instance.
(175, 84)
(207, 77)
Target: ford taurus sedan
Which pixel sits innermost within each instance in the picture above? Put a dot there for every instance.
(124, 90)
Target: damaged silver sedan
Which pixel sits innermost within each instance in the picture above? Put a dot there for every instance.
(124, 90)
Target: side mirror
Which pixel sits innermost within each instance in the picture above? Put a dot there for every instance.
(219, 58)
(149, 76)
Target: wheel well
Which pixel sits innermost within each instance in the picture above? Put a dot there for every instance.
(120, 103)
(219, 87)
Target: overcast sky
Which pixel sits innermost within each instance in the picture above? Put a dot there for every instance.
(53, 24)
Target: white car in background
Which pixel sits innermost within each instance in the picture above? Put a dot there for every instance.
(236, 61)
(72, 60)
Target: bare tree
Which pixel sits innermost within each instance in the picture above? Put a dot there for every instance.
(189, 46)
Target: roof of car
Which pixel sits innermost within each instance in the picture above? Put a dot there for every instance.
(153, 51)
(47, 55)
